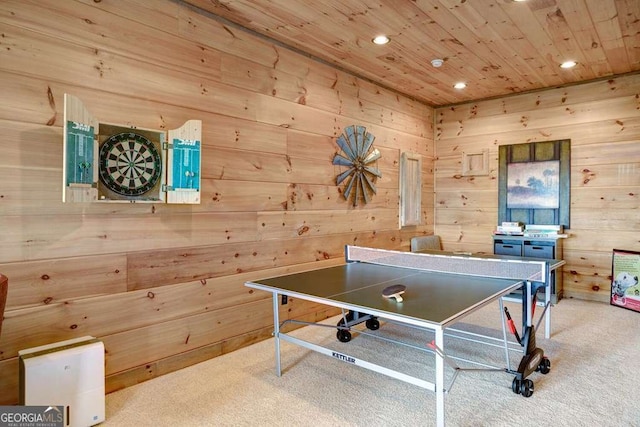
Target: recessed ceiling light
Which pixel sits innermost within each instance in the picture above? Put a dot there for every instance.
(460, 85)
(568, 64)
(382, 39)
(437, 63)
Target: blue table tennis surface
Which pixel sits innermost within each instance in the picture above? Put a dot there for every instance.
(438, 298)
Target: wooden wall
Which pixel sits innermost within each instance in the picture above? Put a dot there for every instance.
(602, 120)
(162, 285)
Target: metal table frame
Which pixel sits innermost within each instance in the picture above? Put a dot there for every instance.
(438, 346)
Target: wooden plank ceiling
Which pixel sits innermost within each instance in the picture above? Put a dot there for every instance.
(497, 47)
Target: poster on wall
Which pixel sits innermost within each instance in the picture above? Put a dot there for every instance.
(625, 290)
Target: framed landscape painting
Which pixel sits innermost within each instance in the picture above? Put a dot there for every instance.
(533, 185)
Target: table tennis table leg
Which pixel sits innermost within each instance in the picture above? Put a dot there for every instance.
(527, 306)
(547, 305)
(439, 339)
(276, 331)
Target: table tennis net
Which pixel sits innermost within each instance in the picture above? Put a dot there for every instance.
(453, 264)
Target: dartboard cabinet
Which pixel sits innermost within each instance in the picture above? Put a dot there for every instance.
(113, 163)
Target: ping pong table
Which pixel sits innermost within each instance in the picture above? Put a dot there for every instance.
(440, 291)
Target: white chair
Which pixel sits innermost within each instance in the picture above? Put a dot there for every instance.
(421, 243)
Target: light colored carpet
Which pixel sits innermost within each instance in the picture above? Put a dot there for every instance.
(594, 381)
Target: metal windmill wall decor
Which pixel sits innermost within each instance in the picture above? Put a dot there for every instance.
(359, 178)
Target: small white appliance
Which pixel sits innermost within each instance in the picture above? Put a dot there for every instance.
(67, 373)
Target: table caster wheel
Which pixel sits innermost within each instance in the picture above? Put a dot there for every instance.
(515, 385)
(373, 324)
(545, 366)
(343, 335)
(526, 388)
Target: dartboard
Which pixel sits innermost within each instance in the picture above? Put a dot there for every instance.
(130, 164)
